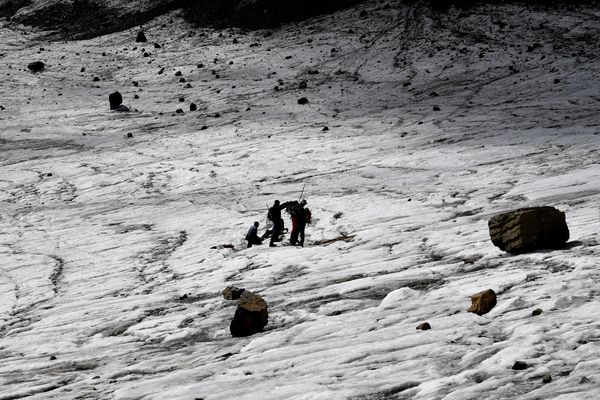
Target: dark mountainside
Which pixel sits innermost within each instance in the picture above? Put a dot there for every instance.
(84, 19)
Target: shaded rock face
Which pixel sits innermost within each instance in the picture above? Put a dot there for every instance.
(83, 19)
(256, 14)
(529, 229)
(483, 302)
(251, 315)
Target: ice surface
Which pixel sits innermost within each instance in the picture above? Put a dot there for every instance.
(110, 287)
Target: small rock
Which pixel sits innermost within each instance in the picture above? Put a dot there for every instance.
(96, 79)
(302, 101)
(146, 54)
(436, 108)
(136, 96)
(519, 365)
(325, 129)
(179, 111)
(181, 99)
(141, 37)
(200, 65)
(424, 326)
(36, 66)
(313, 72)
(235, 41)
(52, 358)
(557, 80)
(434, 94)
(193, 107)
(182, 80)
(536, 312)
(161, 71)
(203, 128)
(216, 115)
(129, 135)
(406, 84)
(82, 69)
(363, 13)
(302, 85)
(547, 378)
(584, 380)
(232, 293)
(157, 46)
(115, 99)
(482, 302)
(251, 315)
(178, 73)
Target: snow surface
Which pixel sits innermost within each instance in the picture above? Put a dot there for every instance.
(110, 287)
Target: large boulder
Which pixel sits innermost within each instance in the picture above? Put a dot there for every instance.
(529, 229)
(251, 315)
(483, 302)
(115, 99)
(36, 66)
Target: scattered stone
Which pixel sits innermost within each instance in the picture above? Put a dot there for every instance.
(182, 80)
(519, 365)
(82, 69)
(482, 302)
(557, 80)
(157, 46)
(276, 88)
(146, 54)
(313, 72)
(129, 135)
(141, 37)
(203, 128)
(434, 94)
(583, 380)
(547, 378)
(216, 115)
(424, 326)
(232, 293)
(36, 66)
(115, 99)
(189, 85)
(302, 85)
(161, 71)
(181, 99)
(235, 41)
(178, 73)
(200, 65)
(96, 79)
(536, 312)
(179, 111)
(52, 358)
(436, 108)
(193, 107)
(302, 100)
(251, 315)
(529, 229)
(135, 83)
(325, 129)
(406, 84)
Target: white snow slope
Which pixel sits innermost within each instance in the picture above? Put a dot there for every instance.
(109, 287)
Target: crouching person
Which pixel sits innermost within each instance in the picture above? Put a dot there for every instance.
(252, 235)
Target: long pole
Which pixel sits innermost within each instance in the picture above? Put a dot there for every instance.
(302, 193)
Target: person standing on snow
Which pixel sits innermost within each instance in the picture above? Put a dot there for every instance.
(278, 224)
(252, 235)
(300, 217)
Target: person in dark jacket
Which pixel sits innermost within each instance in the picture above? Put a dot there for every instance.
(278, 224)
(252, 235)
(300, 217)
